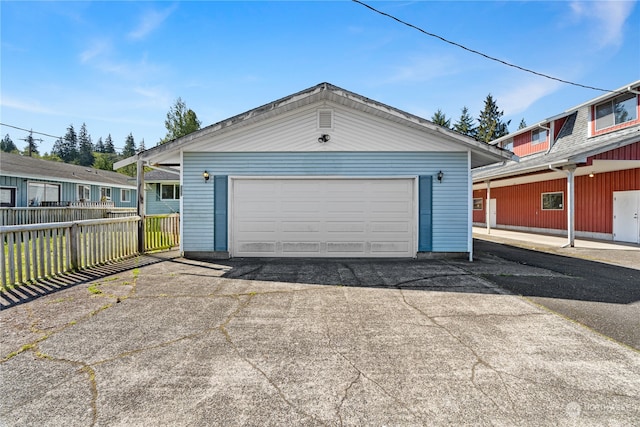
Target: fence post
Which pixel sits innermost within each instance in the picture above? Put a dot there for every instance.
(73, 247)
(140, 204)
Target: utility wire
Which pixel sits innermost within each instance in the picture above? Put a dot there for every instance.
(480, 53)
(42, 133)
(29, 130)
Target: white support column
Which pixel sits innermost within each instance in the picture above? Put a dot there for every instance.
(487, 207)
(571, 212)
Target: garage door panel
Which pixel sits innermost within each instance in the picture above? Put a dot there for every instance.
(301, 226)
(397, 247)
(323, 217)
(301, 247)
(345, 227)
(390, 227)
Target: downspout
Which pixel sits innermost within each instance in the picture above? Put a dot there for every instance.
(571, 228)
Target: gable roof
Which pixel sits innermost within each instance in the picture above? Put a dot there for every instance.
(29, 167)
(158, 175)
(573, 145)
(169, 154)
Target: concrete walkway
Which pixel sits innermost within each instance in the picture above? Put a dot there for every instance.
(618, 253)
(172, 342)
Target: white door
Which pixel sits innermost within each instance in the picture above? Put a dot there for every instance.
(493, 212)
(626, 210)
(323, 218)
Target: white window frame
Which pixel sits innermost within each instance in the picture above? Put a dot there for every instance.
(508, 145)
(106, 193)
(476, 199)
(542, 196)
(612, 105)
(535, 136)
(125, 195)
(176, 191)
(31, 200)
(83, 192)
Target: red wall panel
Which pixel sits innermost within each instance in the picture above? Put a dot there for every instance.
(629, 152)
(522, 145)
(520, 205)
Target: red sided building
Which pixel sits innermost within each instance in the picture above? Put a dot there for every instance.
(578, 173)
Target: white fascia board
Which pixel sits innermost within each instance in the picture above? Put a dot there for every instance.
(32, 177)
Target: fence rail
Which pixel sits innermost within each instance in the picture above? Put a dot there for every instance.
(45, 215)
(35, 251)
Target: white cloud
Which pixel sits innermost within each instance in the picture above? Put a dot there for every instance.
(96, 49)
(150, 21)
(28, 106)
(607, 17)
(518, 99)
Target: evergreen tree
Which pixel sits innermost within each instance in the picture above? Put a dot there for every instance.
(490, 122)
(129, 147)
(464, 125)
(7, 145)
(180, 121)
(141, 146)
(99, 146)
(67, 147)
(85, 151)
(104, 161)
(108, 145)
(522, 124)
(440, 118)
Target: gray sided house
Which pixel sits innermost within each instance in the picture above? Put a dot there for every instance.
(162, 192)
(324, 173)
(31, 182)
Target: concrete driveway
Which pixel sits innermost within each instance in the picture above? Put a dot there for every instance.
(245, 342)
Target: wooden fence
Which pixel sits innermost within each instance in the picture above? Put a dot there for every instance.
(35, 251)
(46, 215)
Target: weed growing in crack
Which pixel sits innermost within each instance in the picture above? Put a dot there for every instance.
(94, 289)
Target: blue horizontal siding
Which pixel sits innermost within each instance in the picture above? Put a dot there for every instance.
(450, 204)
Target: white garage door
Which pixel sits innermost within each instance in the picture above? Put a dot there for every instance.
(323, 218)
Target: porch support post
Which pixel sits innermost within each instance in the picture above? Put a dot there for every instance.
(140, 185)
(487, 207)
(571, 212)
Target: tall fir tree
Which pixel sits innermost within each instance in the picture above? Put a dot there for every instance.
(108, 145)
(464, 125)
(128, 151)
(522, 124)
(180, 121)
(490, 124)
(129, 147)
(141, 146)
(440, 119)
(67, 147)
(85, 147)
(7, 145)
(99, 146)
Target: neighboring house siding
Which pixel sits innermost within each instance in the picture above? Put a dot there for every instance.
(450, 198)
(154, 205)
(519, 205)
(68, 191)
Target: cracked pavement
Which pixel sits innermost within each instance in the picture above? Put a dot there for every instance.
(308, 342)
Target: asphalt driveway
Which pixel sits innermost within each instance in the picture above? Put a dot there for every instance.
(275, 342)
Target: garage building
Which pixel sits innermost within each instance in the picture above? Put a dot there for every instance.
(324, 173)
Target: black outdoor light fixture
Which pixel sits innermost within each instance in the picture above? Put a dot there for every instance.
(440, 176)
(324, 138)
(205, 175)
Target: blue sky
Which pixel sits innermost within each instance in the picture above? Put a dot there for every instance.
(120, 66)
